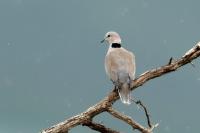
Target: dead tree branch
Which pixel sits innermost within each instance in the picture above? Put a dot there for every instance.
(129, 121)
(145, 110)
(146, 113)
(105, 104)
(99, 127)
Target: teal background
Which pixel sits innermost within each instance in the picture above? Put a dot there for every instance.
(52, 63)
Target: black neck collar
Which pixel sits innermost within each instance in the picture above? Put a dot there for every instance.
(116, 45)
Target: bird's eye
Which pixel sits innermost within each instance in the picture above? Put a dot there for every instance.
(108, 36)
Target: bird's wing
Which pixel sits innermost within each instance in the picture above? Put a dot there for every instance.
(132, 66)
(120, 60)
(129, 62)
(111, 66)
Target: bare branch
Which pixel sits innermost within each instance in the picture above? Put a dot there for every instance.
(107, 102)
(128, 120)
(151, 74)
(145, 110)
(170, 61)
(99, 127)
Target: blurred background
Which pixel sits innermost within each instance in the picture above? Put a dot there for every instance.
(52, 63)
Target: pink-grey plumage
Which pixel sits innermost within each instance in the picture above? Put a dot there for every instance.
(119, 66)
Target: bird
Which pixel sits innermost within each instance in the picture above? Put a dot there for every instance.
(119, 66)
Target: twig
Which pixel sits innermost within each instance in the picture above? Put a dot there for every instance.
(146, 112)
(170, 61)
(107, 102)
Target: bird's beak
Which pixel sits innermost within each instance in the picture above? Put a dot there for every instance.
(103, 41)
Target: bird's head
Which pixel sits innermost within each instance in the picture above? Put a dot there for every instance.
(112, 37)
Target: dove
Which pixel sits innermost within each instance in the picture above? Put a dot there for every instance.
(119, 66)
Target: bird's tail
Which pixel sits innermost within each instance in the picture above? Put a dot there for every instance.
(125, 93)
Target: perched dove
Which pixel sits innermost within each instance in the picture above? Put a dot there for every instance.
(119, 66)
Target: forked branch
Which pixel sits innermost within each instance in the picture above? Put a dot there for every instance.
(105, 105)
